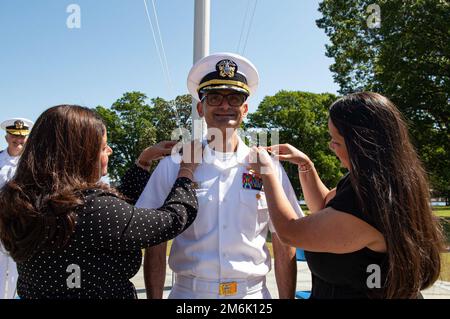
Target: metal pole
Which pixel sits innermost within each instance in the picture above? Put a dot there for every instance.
(201, 49)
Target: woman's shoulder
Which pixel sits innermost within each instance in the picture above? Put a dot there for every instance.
(344, 182)
(343, 193)
(97, 199)
(94, 193)
(346, 200)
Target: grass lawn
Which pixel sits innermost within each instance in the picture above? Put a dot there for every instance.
(445, 267)
(444, 213)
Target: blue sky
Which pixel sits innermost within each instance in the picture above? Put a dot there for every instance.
(44, 63)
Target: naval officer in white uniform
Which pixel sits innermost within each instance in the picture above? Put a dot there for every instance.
(223, 254)
(17, 130)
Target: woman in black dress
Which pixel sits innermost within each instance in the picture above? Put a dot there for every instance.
(71, 235)
(374, 236)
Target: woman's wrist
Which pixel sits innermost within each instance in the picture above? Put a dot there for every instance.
(145, 165)
(147, 155)
(306, 166)
(186, 171)
(146, 158)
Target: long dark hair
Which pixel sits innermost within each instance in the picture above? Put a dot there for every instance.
(392, 188)
(61, 159)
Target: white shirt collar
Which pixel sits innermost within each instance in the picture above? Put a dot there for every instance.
(240, 158)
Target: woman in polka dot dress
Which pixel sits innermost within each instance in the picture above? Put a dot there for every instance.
(71, 235)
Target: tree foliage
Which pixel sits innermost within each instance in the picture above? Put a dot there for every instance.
(133, 125)
(407, 59)
(302, 120)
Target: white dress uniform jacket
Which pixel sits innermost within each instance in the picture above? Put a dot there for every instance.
(8, 166)
(227, 239)
(8, 270)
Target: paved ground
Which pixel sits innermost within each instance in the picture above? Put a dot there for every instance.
(440, 290)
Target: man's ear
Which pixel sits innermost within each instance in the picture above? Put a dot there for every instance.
(200, 109)
(245, 110)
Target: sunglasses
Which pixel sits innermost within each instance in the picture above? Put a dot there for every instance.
(233, 99)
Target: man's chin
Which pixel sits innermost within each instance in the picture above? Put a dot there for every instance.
(18, 150)
(227, 123)
(233, 123)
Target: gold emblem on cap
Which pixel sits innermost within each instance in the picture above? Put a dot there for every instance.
(19, 125)
(226, 68)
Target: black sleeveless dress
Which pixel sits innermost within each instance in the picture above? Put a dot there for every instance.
(349, 275)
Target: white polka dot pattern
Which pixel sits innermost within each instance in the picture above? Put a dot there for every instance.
(107, 242)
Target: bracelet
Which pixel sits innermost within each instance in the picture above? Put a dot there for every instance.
(303, 168)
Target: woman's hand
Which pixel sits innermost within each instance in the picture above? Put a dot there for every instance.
(260, 161)
(192, 156)
(155, 152)
(287, 152)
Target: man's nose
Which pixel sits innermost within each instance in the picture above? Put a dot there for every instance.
(224, 103)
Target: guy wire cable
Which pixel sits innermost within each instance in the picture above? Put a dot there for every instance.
(249, 27)
(164, 66)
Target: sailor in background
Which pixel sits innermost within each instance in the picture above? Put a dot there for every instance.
(17, 130)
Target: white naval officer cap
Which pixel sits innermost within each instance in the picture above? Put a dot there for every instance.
(222, 71)
(17, 126)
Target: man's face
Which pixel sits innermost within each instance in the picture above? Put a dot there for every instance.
(223, 115)
(16, 144)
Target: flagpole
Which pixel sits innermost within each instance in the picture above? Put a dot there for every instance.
(201, 49)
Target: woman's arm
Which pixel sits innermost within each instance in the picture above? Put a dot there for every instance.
(133, 183)
(314, 190)
(112, 223)
(117, 225)
(328, 230)
(135, 179)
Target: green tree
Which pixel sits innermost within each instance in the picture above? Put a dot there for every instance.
(407, 59)
(302, 120)
(132, 125)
